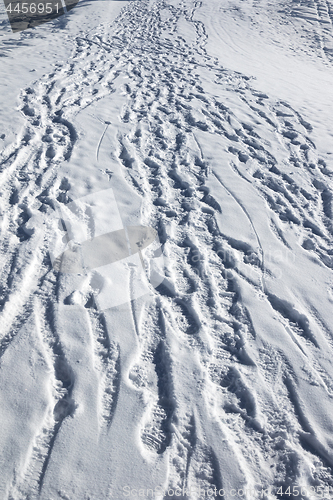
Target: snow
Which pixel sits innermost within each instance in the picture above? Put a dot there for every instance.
(166, 252)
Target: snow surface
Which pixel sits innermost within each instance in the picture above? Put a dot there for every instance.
(200, 362)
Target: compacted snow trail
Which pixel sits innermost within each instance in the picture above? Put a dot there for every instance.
(221, 376)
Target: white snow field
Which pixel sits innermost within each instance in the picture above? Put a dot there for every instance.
(166, 290)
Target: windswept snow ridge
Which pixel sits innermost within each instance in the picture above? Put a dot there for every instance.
(221, 376)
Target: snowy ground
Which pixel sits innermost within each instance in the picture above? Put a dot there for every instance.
(210, 124)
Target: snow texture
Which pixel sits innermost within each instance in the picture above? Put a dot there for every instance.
(166, 218)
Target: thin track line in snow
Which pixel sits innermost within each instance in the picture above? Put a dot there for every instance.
(106, 123)
(100, 141)
(263, 285)
(132, 300)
